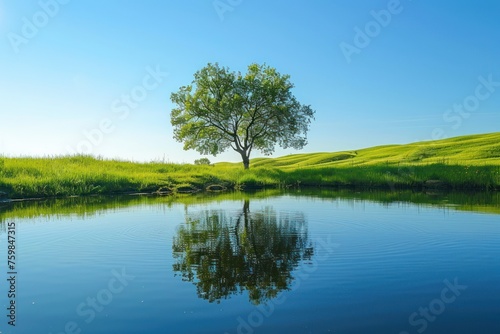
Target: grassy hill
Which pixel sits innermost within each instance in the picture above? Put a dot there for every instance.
(468, 162)
(480, 149)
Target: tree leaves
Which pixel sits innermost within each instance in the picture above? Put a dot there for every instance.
(223, 109)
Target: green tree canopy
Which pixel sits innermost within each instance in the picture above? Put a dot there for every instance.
(223, 109)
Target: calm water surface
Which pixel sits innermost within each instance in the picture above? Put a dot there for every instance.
(315, 262)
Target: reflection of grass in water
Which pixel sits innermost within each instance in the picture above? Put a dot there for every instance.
(487, 202)
(470, 162)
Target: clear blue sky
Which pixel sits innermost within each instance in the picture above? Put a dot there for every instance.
(65, 67)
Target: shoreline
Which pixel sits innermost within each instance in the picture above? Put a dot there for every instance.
(461, 163)
(433, 185)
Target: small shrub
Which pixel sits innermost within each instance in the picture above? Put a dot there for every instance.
(202, 161)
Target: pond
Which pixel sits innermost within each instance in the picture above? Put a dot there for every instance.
(310, 261)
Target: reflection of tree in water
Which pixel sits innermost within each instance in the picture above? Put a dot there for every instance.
(224, 253)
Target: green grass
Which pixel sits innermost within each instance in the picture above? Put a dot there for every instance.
(468, 162)
(476, 149)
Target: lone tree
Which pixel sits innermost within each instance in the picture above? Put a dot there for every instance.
(223, 109)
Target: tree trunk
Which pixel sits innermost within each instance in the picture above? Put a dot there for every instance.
(246, 160)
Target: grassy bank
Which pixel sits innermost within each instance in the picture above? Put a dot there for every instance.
(471, 162)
